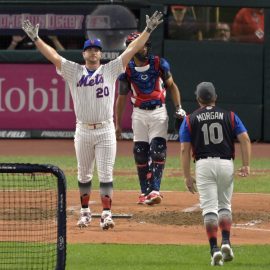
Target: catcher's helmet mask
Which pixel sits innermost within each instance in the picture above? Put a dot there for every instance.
(142, 57)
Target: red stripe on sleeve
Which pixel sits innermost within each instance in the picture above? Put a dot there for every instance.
(188, 123)
(232, 120)
(233, 126)
(156, 62)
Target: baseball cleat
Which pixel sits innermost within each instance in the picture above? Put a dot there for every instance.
(227, 252)
(142, 199)
(85, 218)
(153, 198)
(106, 221)
(216, 259)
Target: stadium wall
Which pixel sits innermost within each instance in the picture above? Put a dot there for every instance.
(239, 71)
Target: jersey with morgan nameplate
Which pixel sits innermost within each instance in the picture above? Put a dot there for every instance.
(219, 128)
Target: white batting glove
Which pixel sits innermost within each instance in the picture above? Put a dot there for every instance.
(153, 21)
(30, 30)
(179, 113)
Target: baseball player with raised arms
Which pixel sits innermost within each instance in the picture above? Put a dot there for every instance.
(92, 88)
(148, 77)
(210, 132)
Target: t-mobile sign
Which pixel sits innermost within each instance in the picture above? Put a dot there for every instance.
(33, 96)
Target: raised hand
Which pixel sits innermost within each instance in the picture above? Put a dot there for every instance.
(153, 21)
(30, 30)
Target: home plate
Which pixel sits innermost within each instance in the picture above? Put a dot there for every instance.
(192, 208)
(96, 215)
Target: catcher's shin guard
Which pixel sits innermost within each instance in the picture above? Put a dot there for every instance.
(141, 156)
(158, 149)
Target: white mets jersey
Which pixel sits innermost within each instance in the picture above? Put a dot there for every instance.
(93, 95)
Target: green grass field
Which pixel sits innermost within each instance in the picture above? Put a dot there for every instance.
(181, 257)
(162, 257)
(258, 181)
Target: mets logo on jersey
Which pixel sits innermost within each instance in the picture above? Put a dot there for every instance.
(87, 80)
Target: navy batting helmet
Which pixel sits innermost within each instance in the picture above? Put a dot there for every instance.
(92, 43)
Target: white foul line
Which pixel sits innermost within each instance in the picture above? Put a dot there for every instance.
(237, 226)
(251, 229)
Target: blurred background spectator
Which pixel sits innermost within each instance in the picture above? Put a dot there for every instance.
(248, 25)
(112, 23)
(222, 32)
(183, 24)
(25, 43)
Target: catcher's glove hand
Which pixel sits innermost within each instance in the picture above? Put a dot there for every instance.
(179, 116)
(179, 113)
(153, 21)
(30, 30)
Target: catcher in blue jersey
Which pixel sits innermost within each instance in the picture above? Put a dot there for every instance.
(210, 132)
(148, 77)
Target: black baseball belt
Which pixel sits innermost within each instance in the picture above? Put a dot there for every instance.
(205, 157)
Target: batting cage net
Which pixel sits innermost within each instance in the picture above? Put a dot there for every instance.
(32, 217)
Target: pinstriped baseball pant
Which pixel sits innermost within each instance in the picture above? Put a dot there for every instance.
(95, 146)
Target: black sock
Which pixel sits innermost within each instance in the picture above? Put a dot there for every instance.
(225, 236)
(213, 243)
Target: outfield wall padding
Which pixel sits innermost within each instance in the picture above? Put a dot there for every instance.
(235, 69)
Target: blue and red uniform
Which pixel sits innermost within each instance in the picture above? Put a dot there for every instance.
(219, 128)
(147, 84)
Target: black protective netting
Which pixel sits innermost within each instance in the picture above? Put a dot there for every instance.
(28, 221)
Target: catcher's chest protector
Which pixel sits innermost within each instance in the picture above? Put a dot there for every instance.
(146, 82)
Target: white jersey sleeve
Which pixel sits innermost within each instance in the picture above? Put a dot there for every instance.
(69, 69)
(115, 67)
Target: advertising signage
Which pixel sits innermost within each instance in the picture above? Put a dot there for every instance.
(34, 97)
(75, 21)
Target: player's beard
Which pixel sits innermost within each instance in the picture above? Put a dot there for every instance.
(93, 60)
(141, 57)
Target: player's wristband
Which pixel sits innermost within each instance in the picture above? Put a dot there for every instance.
(148, 30)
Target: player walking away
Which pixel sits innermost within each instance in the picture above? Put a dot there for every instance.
(92, 89)
(210, 132)
(147, 77)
